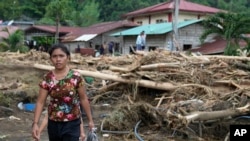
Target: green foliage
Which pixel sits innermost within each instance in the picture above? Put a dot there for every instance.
(5, 100)
(90, 17)
(231, 49)
(86, 12)
(4, 47)
(46, 21)
(57, 9)
(14, 42)
(23, 49)
(10, 9)
(45, 41)
(229, 26)
(111, 10)
(34, 9)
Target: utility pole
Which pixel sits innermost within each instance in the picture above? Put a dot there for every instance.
(175, 26)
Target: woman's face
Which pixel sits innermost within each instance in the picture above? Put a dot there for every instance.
(59, 59)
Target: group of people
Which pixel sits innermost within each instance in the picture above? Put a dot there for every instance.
(140, 44)
(66, 91)
(141, 41)
(107, 48)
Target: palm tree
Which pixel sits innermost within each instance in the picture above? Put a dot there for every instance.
(14, 41)
(230, 26)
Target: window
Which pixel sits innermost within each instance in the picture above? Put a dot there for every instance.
(187, 47)
(139, 22)
(152, 48)
(161, 21)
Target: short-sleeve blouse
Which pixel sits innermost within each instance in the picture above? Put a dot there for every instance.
(64, 97)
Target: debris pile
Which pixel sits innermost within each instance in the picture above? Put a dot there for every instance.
(166, 92)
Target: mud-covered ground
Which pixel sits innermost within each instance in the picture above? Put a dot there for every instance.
(15, 124)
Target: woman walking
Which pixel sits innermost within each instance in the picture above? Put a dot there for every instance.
(66, 90)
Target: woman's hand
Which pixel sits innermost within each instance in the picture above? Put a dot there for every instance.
(82, 136)
(91, 125)
(35, 132)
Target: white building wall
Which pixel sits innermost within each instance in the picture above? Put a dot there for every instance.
(164, 16)
(156, 17)
(143, 20)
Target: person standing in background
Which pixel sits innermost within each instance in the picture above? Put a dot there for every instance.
(140, 41)
(143, 38)
(111, 47)
(103, 49)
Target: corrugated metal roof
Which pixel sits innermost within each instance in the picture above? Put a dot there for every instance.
(152, 29)
(216, 46)
(86, 37)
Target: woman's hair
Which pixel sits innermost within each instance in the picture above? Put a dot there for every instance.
(59, 46)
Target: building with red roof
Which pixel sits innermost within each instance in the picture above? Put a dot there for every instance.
(216, 46)
(163, 12)
(84, 37)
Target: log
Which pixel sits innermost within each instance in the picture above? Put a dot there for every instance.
(108, 87)
(228, 57)
(160, 65)
(146, 67)
(143, 83)
(228, 82)
(202, 116)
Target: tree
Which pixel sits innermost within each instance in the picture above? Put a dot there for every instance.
(90, 14)
(14, 41)
(10, 10)
(33, 9)
(57, 10)
(111, 10)
(232, 27)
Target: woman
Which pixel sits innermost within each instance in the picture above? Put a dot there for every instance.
(66, 90)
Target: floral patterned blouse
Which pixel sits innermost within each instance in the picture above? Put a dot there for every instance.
(64, 98)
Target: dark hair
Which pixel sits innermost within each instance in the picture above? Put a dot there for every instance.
(59, 46)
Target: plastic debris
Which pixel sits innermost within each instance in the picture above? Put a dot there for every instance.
(92, 136)
(14, 118)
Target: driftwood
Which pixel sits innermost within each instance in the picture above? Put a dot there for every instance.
(196, 88)
(228, 57)
(160, 65)
(228, 82)
(181, 121)
(147, 67)
(202, 116)
(108, 87)
(143, 83)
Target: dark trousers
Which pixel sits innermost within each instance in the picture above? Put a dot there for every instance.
(64, 131)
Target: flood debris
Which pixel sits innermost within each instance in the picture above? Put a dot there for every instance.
(178, 94)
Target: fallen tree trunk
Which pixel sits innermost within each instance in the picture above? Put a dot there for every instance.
(228, 57)
(160, 65)
(179, 121)
(143, 83)
(203, 116)
(138, 82)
